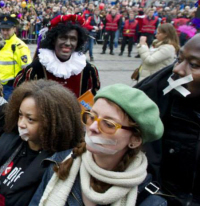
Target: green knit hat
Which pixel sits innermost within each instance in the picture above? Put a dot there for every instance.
(138, 106)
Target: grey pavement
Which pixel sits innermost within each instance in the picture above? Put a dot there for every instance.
(112, 68)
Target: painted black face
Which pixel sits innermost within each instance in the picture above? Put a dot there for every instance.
(66, 44)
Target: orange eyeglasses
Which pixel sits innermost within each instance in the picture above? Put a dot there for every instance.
(104, 125)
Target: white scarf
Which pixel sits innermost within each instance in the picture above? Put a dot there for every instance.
(66, 69)
(122, 193)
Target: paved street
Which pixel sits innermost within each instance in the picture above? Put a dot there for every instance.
(112, 68)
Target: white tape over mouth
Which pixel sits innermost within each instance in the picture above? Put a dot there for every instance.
(23, 134)
(176, 84)
(94, 142)
(103, 141)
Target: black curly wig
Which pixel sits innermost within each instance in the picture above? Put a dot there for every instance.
(51, 35)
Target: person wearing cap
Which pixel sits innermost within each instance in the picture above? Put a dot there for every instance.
(60, 57)
(174, 160)
(107, 167)
(14, 56)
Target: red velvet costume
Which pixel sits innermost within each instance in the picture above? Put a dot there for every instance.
(79, 84)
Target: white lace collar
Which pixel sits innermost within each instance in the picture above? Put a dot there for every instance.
(65, 70)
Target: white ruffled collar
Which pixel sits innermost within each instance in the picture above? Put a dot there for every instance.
(65, 70)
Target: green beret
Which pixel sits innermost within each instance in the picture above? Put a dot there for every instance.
(138, 106)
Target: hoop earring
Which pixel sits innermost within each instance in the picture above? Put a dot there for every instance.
(131, 145)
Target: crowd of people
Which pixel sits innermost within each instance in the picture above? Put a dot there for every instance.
(36, 14)
(135, 145)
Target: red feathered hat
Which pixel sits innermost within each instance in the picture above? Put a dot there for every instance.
(74, 18)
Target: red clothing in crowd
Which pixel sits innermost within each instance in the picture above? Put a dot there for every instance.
(112, 23)
(149, 25)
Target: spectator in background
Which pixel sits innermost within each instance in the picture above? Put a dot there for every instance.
(70, 10)
(113, 23)
(46, 19)
(25, 27)
(139, 18)
(63, 10)
(149, 26)
(180, 21)
(56, 11)
(32, 18)
(78, 11)
(118, 32)
(89, 11)
(130, 34)
(94, 25)
(166, 47)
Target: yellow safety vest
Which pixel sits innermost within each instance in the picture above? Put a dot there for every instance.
(14, 56)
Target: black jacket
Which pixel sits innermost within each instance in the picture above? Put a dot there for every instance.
(23, 190)
(174, 160)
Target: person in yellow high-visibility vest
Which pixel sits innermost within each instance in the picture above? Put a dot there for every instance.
(14, 56)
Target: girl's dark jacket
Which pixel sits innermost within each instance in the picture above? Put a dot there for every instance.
(23, 190)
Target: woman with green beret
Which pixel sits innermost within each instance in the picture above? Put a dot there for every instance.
(108, 166)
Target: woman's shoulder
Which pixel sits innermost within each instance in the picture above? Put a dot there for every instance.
(167, 50)
(167, 46)
(59, 156)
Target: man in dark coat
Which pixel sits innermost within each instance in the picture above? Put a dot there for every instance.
(174, 161)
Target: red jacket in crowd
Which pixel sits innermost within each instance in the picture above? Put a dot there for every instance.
(112, 23)
(150, 25)
(140, 18)
(180, 22)
(131, 28)
(90, 23)
(87, 14)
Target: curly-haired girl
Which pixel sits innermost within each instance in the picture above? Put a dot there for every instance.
(42, 117)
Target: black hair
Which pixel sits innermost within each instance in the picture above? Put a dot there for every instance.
(61, 28)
